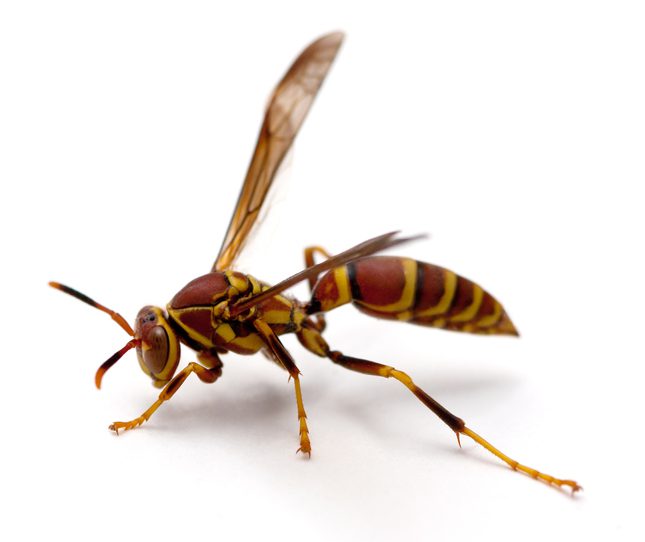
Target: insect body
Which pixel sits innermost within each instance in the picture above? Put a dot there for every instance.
(228, 311)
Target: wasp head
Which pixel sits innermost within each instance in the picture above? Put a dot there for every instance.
(157, 345)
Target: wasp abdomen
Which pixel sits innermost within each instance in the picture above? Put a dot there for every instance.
(411, 291)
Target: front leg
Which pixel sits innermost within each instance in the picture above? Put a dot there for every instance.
(205, 375)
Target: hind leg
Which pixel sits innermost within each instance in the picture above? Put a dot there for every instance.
(455, 423)
(313, 341)
(310, 261)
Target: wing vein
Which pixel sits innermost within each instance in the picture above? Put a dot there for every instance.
(287, 110)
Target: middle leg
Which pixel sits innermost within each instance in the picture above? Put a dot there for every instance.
(283, 357)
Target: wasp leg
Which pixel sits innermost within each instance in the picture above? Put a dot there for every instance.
(205, 375)
(310, 261)
(455, 423)
(283, 357)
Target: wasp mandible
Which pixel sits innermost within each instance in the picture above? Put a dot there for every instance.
(228, 311)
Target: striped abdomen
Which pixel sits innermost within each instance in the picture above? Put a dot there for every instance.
(411, 291)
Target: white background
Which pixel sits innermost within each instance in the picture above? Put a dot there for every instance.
(512, 133)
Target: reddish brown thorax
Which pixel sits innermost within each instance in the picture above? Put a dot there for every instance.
(201, 291)
(201, 313)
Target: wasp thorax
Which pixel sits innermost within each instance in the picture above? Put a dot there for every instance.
(158, 351)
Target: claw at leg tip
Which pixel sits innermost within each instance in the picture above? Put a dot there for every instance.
(308, 452)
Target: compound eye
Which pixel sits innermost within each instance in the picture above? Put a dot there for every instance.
(155, 349)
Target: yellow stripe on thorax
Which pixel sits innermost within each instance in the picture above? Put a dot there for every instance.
(225, 331)
(279, 315)
(251, 342)
(239, 283)
(198, 337)
(256, 286)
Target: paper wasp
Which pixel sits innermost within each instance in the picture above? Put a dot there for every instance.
(228, 311)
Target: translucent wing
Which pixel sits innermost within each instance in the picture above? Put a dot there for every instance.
(285, 113)
(366, 248)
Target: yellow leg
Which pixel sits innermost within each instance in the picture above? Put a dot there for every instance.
(518, 466)
(283, 357)
(305, 443)
(310, 260)
(455, 423)
(310, 252)
(205, 375)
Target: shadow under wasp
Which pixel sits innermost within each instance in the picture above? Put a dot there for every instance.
(228, 311)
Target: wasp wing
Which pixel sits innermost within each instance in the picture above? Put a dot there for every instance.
(366, 248)
(287, 109)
